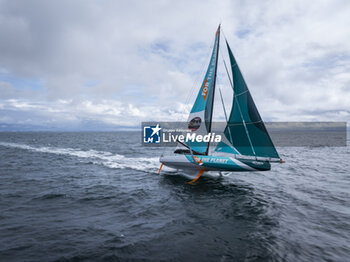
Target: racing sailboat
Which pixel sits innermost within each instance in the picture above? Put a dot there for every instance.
(245, 146)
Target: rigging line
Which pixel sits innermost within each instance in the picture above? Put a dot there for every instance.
(245, 127)
(247, 123)
(228, 75)
(223, 32)
(197, 79)
(236, 63)
(246, 91)
(223, 106)
(196, 82)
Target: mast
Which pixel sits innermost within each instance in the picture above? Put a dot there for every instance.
(214, 84)
(200, 118)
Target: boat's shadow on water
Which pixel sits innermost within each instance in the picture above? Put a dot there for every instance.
(213, 183)
(227, 219)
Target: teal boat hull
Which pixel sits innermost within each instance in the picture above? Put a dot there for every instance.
(214, 163)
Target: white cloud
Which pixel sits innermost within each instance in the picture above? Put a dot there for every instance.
(122, 62)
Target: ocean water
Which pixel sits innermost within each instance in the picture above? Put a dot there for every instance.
(98, 197)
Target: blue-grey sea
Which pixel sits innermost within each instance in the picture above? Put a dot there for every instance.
(96, 196)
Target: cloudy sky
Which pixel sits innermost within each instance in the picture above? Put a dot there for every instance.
(106, 65)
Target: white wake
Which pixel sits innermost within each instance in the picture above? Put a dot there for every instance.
(107, 159)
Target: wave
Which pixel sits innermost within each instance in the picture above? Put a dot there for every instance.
(107, 159)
